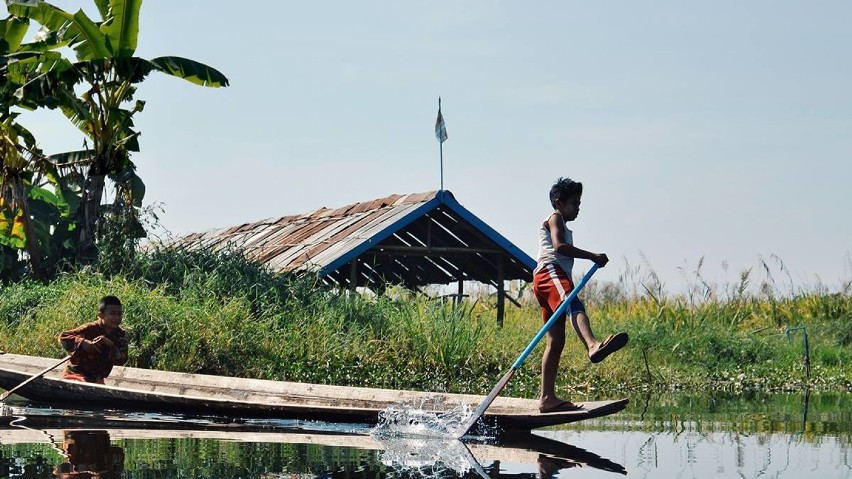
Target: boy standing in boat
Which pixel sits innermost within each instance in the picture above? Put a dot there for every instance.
(97, 346)
(552, 283)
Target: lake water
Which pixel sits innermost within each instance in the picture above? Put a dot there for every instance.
(777, 436)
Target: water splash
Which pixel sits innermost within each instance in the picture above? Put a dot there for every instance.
(420, 439)
(428, 417)
(427, 458)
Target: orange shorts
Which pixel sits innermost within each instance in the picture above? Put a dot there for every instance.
(551, 285)
(72, 376)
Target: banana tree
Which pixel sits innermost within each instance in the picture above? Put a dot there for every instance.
(96, 92)
(13, 224)
(30, 214)
(16, 230)
(35, 206)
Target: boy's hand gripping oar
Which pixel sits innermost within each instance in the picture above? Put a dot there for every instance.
(517, 365)
(38, 375)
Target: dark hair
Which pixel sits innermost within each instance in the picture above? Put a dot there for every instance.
(563, 189)
(108, 301)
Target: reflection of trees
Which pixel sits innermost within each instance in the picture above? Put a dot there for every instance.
(30, 461)
(148, 459)
(166, 458)
(810, 417)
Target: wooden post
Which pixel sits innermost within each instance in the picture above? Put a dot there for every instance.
(353, 274)
(501, 291)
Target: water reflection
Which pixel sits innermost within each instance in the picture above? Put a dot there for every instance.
(706, 437)
(427, 457)
(147, 454)
(89, 454)
(431, 457)
(555, 455)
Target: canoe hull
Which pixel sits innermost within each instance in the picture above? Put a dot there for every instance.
(198, 394)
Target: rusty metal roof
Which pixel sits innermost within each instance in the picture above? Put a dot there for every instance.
(414, 240)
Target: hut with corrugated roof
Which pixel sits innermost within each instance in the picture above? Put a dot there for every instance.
(411, 240)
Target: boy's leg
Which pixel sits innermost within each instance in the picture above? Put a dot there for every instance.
(580, 322)
(597, 350)
(549, 285)
(550, 365)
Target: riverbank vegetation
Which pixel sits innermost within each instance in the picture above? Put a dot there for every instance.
(219, 313)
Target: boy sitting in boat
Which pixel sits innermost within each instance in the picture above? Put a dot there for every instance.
(552, 283)
(97, 346)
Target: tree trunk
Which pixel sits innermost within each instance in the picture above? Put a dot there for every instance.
(90, 206)
(33, 248)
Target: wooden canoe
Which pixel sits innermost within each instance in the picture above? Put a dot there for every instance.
(197, 394)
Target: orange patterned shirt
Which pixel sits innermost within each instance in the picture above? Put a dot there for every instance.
(93, 366)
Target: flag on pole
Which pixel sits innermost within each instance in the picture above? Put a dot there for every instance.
(440, 126)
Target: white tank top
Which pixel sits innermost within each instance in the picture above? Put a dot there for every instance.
(547, 254)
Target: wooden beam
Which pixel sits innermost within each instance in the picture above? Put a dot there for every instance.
(514, 301)
(434, 251)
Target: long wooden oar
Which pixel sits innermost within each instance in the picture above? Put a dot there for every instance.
(517, 365)
(38, 375)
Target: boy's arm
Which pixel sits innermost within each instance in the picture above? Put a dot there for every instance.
(117, 347)
(119, 352)
(557, 236)
(74, 339)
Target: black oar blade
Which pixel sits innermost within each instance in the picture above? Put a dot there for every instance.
(487, 401)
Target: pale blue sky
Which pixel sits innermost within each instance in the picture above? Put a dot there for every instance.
(716, 129)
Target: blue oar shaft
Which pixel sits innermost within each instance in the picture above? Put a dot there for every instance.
(465, 427)
(553, 318)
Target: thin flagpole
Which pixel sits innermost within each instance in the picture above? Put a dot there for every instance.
(441, 135)
(441, 146)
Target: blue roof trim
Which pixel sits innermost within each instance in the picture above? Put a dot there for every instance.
(382, 235)
(447, 199)
(451, 203)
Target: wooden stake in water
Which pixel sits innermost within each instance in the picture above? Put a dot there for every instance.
(523, 357)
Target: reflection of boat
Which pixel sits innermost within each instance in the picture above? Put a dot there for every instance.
(163, 391)
(530, 449)
(560, 453)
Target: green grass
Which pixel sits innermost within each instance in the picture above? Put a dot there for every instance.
(218, 313)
